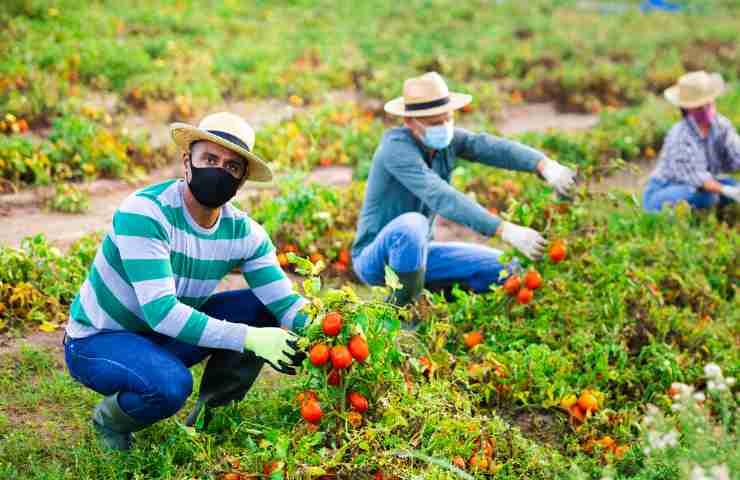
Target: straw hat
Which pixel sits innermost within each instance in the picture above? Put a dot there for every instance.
(695, 89)
(425, 96)
(227, 130)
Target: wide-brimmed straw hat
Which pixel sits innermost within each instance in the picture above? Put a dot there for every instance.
(695, 89)
(425, 96)
(228, 130)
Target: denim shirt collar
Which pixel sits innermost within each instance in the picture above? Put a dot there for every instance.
(697, 130)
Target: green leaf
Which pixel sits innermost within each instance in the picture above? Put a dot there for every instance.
(391, 279)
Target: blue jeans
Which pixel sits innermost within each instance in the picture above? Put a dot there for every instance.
(663, 192)
(404, 245)
(150, 371)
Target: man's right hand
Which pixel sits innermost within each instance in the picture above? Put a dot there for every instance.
(275, 345)
(730, 191)
(526, 240)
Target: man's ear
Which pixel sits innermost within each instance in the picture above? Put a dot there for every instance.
(186, 165)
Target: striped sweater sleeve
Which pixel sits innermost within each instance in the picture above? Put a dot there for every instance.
(144, 246)
(269, 283)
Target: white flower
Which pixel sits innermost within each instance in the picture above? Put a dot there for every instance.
(712, 370)
(730, 381)
(697, 473)
(670, 439)
(711, 385)
(720, 472)
(676, 407)
(646, 451)
(699, 397)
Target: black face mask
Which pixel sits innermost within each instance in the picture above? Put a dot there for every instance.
(212, 186)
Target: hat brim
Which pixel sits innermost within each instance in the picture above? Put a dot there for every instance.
(672, 94)
(457, 101)
(184, 135)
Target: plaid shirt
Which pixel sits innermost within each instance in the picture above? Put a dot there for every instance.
(690, 159)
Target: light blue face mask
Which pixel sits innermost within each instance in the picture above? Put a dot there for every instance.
(439, 136)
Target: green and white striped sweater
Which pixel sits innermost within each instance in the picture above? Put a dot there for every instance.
(158, 266)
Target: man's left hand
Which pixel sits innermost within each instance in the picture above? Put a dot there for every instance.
(559, 176)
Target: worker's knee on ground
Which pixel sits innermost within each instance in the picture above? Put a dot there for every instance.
(174, 391)
(487, 274)
(703, 199)
(413, 229)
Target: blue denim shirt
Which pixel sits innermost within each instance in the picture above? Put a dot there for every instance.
(406, 177)
(689, 158)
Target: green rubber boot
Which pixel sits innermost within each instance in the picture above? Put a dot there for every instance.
(412, 283)
(227, 378)
(114, 426)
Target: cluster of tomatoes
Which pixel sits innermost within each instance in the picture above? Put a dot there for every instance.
(11, 124)
(337, 359)
(523, 288)
(582, 406)
(341, 264)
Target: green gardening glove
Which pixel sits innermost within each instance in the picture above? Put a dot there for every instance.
(278, 347)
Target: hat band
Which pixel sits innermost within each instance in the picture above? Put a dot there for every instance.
(425, 105)
(231, 138)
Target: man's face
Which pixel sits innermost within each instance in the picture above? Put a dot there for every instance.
(205, 154)
(419, 124)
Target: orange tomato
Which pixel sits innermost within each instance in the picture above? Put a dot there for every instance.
(524, 296)
(533, 280)
(459, 462)
(472, 339)
(332, 324)
(358, 402)
(607, 442)
(311, 411)
(340, 357)
(358, 348)
(319, 354)
(512, 285)
(577, 413)
(283, 260)
(344, 256)
(558, 252)
(587, 401)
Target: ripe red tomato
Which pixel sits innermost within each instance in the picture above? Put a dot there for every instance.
(311, 411)
(344, 256)
(332, 324)
(512, 285)
(533, 280)
(358, 402)
(588, 402)
(472, 339)
(358, 348)
(558, 251)
(340, 357)
(334, 378)
(524, 296)
(319, 354)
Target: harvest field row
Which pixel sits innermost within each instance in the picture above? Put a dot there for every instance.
(616, 359)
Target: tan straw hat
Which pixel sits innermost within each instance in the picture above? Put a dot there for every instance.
(425, 96)
(227, 130)
(695, 89)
